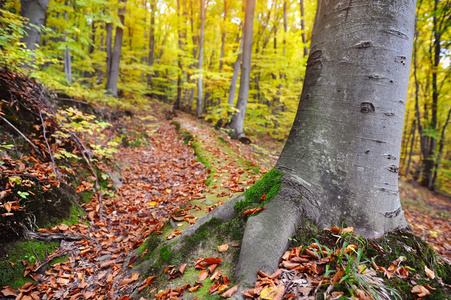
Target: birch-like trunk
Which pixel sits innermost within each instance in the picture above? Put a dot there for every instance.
(241, 105)
(113, 75)
(200, 91)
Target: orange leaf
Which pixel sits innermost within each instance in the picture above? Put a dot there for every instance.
(338, 276)
(202, 275)
(7, 291)
(91, 215)
(8, 206)
(429, 272)
(223, 248)
(420, 290)
(214, 288)
(182, 268)
(230, 292)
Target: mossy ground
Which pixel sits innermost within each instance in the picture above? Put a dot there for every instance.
(202, 244)
(17, 252)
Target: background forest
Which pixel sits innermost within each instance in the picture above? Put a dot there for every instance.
(119, 53)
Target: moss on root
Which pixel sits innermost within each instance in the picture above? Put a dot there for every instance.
(158, 254)
(418, 254)
(261, 192)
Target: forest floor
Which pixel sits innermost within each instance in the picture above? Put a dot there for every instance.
(164, 182)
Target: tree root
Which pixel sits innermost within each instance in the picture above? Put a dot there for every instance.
(50, 237)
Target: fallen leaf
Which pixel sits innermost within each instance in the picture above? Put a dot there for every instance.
(223, 248)
(182, 268)
(420, 290)
(7, 291)
(269, 292)
(8, 206)
(429, 272)
(203, 275)
(214, 287)
(230, 292)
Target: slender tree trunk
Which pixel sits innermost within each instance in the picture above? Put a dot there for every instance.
(440, 150)
(236, 73)
(113, 76)
(99, 67)
(35, 11)
(67, 56)
(223, 37)
(238, 119)
(178, 100)
(150, 60)
(109, 49)
(68, 65)
(412, 144)
(201, 59)
(429, 159)
(304, 39)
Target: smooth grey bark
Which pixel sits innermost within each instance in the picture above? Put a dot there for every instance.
(304, 39)
(35, 11)
(151, 42)
(412, 143)
(68, 64)
(238, 119)
(236, 72)
(201, 59)
(340, 162)
(113, 75)
(67, 56)
(109, 46)
(178, 100)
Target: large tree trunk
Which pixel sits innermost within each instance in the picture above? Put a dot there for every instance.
(340, 163)
(35, 11)
(113, 75)
(238, 119)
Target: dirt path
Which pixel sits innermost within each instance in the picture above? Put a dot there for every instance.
(157, 179)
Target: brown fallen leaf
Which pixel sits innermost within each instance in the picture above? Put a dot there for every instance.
(420, 290)
(215, 287)
(7, 291)
(223, 248)
(229, 293)
(182, 268)
(173, 234)
(429, 272)
(203, 275)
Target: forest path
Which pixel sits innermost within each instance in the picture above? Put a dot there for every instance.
(156, 180)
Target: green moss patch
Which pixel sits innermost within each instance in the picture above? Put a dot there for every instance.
(13, 256)
(261, 192)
